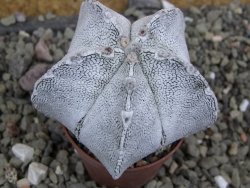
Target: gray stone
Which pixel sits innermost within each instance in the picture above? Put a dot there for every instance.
(130, 11)
(62, 157)
(193, 150)
(180, 181)
(173, 167)
(144, 4)
(2, 180)
(214, 171)
(213, 15)
(2, 88)
(49, 16)
(236, 178)
(6, 76)
(68, 33)
(27, 109)
(76, 185)
(47, 35)
(15, 162)
(20, 17)
(162, 172)
(167, 183)
(42, 186)
(190, 163)
(7, 21)
(201, 27)
(18, 63)
(3, 163)
(233, 150)
(10, 174)
(243, 151)
(217, 26)
(58, 54)
(73, 178)
(151, 184)
(208, 162)
(203, 151)
(221, 159)
(53, 177)
(217, 137)
(39, 144)
(79, 168)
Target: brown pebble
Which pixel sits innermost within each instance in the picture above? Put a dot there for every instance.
(28, 81)
(153, 159)
(141, 163)
(244, 137)
(12, 129)
(42, 51)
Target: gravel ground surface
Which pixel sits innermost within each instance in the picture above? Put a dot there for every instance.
(219, 45)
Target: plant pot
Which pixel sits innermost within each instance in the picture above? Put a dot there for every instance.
(131, 178)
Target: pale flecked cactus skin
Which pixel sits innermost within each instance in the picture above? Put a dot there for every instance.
(125, 91)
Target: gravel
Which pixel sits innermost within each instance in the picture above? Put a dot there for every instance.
(219, 46)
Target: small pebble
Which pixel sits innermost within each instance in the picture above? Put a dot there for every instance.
(221, 182)
(141, 163)
(236, 178)
(7, 21)
(59, 170)
(23, 183)
(233, 150)
(23, 152)
(151, 184)
(37, 172)
(62, 156)
(28, 80)
(42, 51)
(53, 177)
(79, 168)
(11, 174)
(6, 76)
(212, 75)
(173, 167)
(20, 17)
(217, 38)
(244, 105)
(244, 137)
(68, 33)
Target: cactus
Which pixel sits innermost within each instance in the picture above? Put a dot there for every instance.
(126, 90)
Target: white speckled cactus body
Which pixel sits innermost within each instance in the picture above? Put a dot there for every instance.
(126, 90)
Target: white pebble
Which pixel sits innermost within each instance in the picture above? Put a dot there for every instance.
(166, 4)
(217, 38)
(221, 182)
(37, 172)
(23, 183)
(212, 75)
(23, 152)
(59, 170)
(244, 105)
(188, 19)
(24, 34)
(226, 90)
(199, 141)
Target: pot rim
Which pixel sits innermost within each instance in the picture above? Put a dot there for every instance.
(80, 150)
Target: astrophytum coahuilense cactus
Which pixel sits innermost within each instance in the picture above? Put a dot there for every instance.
(126, 90)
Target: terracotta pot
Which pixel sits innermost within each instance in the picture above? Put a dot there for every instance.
(131, 178)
